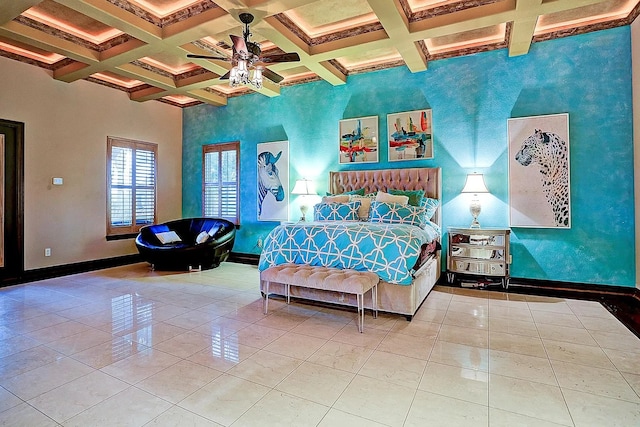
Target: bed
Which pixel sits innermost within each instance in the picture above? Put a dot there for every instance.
(408, 268)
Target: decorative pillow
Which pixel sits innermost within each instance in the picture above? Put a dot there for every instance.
(336, 211)
(415, 196)
(390, 198)
(359, 192)
(365, 206)
(394, 213)
(340, 198)
(167, 237)
(202, 237)
(430, 205)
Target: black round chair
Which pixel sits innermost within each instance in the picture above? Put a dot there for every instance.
(186, 244)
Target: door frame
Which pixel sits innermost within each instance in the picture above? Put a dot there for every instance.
(15, 272)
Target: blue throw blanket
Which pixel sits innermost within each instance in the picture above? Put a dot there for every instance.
(389, 250)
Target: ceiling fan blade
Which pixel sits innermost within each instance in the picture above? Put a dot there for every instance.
(191, 55)
(238, 44)
(281, 57)
(274, 77)
(225, 76)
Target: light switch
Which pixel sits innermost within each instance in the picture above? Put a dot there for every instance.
(57, 181)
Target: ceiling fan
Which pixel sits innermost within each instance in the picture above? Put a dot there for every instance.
(248, 65)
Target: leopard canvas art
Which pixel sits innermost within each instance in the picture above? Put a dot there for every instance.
(539, 190)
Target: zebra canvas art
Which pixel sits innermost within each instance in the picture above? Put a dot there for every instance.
(273, 179)
(539, 191)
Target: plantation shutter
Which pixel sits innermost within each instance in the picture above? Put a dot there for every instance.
(220, 183)
(131, 182)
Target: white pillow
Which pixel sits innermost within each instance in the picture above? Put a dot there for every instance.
(391, 198)
(168, 237)
(340, 198)
(202, 237)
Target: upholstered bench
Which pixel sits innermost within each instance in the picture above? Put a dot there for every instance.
(325, 278)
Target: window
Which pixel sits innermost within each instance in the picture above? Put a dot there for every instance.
(131, 185)
(220, 181)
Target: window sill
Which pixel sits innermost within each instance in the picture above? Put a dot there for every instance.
(121, 236)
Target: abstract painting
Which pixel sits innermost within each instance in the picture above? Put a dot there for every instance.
(359, 140)
(410, 135)
(539, 162)
(273, 181)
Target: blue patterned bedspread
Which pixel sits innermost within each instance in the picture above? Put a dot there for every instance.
(389, 250)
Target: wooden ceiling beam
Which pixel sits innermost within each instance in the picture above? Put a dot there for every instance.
(11, 9)
(118, 18)
(36, 38)
(524, 25)
(396, 25)
(208, 97)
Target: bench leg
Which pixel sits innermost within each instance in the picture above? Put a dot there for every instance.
(360, 298)
(374, 302)
(265, 303)
(288, 293)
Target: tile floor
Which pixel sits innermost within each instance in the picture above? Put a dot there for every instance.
(130, 347)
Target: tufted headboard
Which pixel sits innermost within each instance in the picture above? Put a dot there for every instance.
(427, 179)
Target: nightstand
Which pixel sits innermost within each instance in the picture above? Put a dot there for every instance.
(481, 252)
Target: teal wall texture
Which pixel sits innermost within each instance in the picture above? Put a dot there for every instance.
(587, 76)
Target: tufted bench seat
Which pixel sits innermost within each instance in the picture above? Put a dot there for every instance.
(325, 278)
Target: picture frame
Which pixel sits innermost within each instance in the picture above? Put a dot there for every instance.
(359, 140)
(410, 135)
(273, 181)
(539, 171)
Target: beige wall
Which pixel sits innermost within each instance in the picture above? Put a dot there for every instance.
(66, 129)
(635, 64)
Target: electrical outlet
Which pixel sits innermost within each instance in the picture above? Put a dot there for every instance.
(47, 251)
(259, 242)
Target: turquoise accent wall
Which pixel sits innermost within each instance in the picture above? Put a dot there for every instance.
(587, 76)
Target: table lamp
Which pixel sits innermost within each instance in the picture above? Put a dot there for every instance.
(303, 188)
(475, 185)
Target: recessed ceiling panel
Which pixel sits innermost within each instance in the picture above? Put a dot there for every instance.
(68, 20)
(418, 5)
(163, 8)
(117, 80)
(31, 52)
(467, 39)
(331, 16)
(170, 63)
(586, 15)
(180, 99)
(367, 58)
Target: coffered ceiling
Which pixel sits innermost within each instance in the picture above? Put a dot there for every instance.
(140, 46)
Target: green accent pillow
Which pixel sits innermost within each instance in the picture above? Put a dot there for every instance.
(415, 196)
(358, 192)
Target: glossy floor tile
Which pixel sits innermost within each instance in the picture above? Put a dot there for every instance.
(128, 346)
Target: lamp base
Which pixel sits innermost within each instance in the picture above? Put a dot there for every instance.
(303, 210)
(475, 209)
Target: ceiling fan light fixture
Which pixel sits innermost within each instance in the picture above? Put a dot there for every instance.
(256, 78)
(248, 59)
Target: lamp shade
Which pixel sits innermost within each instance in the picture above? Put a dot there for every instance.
(475, 184)
(304, 187)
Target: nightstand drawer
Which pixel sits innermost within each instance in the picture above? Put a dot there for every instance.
(477, 253)
(474, 267)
